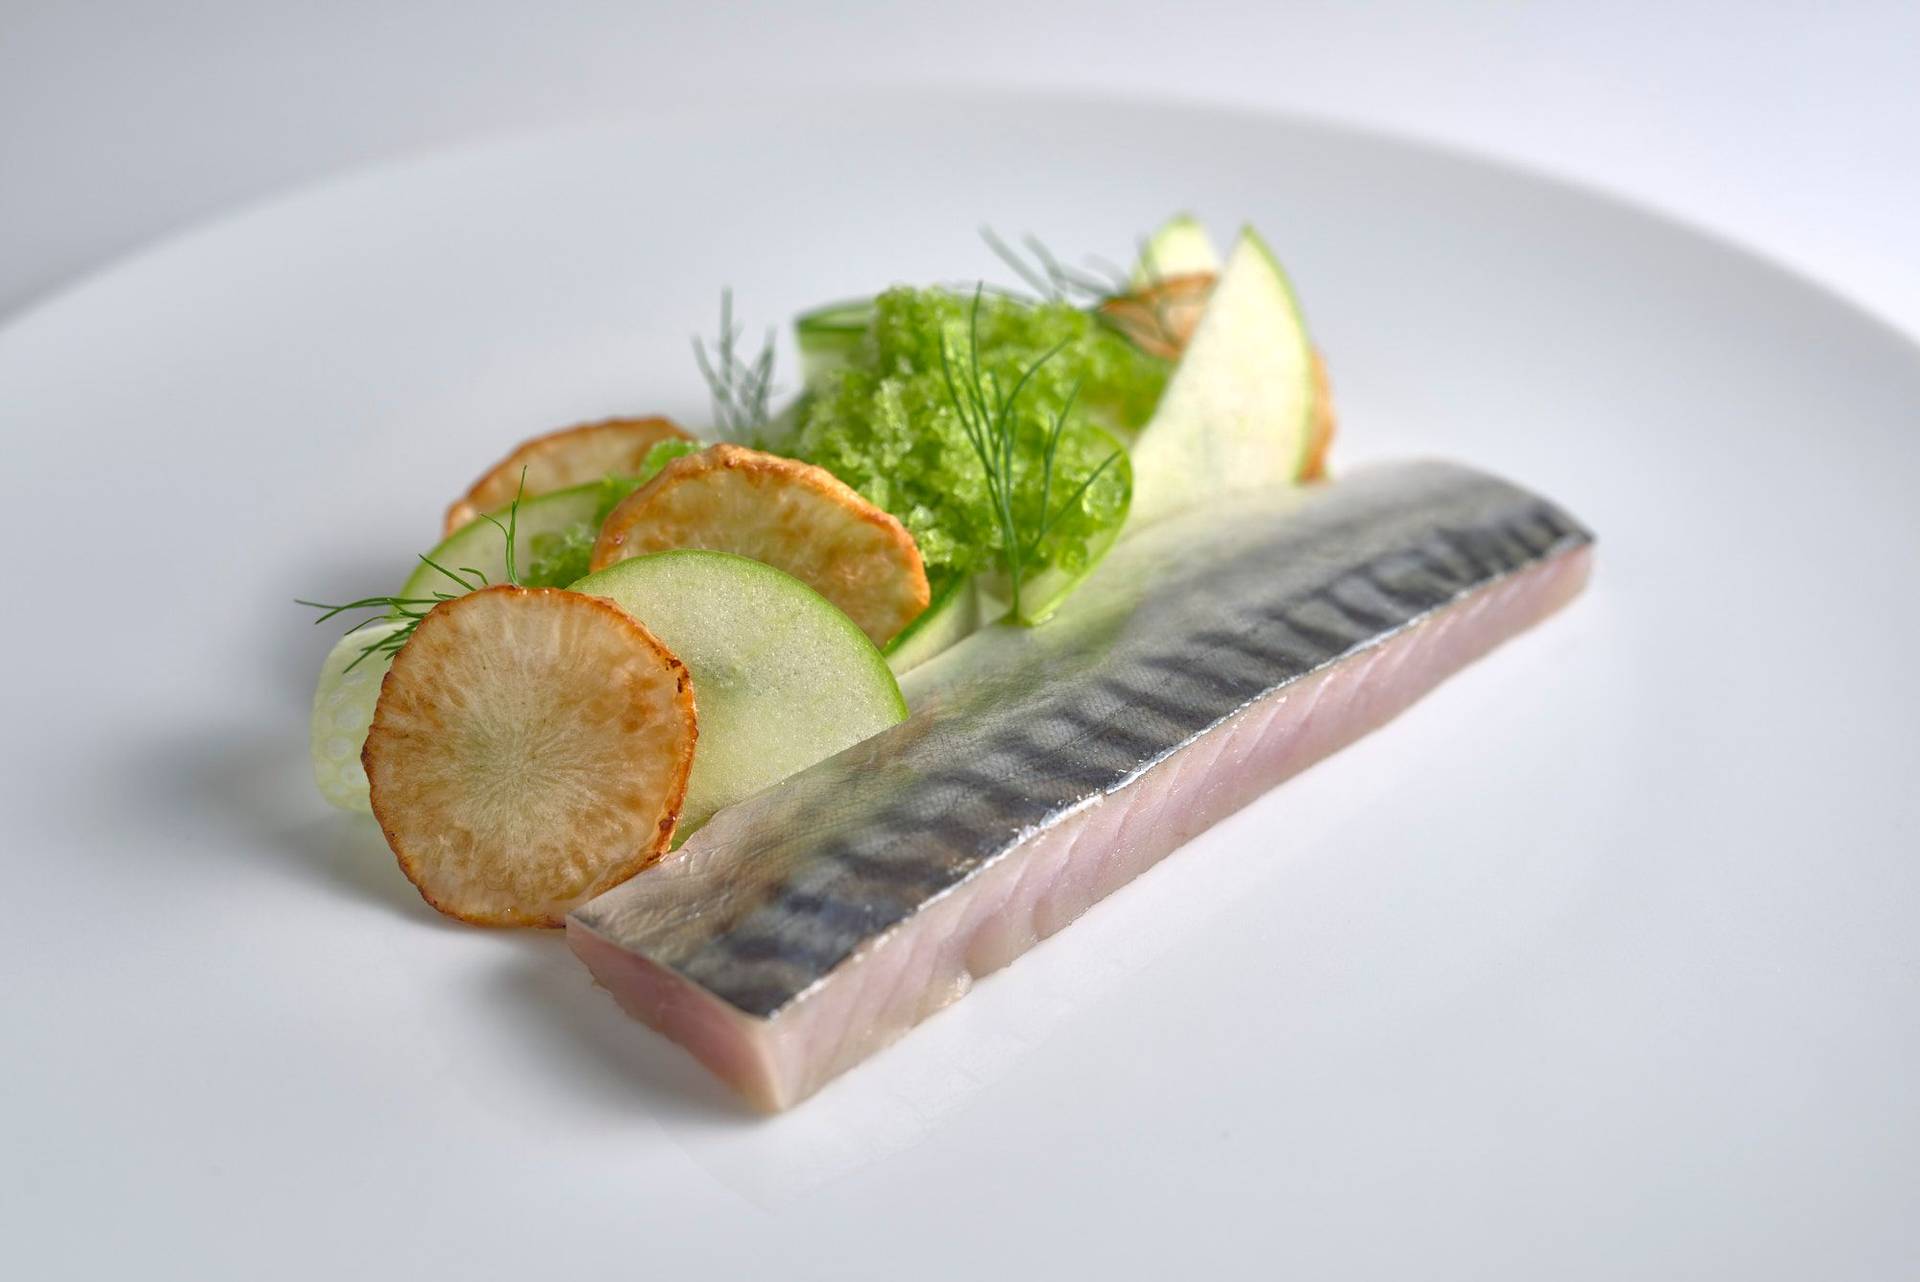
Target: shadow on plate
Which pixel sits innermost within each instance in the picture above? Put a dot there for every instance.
(290, 657)
(246, 792)
(252, 795)
(592, 1045)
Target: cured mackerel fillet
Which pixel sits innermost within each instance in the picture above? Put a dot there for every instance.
(1208, 659)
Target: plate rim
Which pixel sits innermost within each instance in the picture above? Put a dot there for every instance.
(264, 206)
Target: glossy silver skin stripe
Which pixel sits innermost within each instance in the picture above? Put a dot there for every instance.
(1014, 729)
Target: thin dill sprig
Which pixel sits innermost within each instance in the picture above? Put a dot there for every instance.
(989, 419)
(1036, 279)
(1052, 279)
(742, 390)
(413, 609)
(509, 530)
(1150, 262)
(1110, 269)
(1102, 283)
(1050, 517)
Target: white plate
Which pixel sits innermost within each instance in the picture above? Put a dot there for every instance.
(1599, 963)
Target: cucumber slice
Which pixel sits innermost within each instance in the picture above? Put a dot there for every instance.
(955, 613)
(343, 706)
(1181, 247)
(553, 536)
(1238, 412)
(827, 335)
(480, 546)
(781, 679)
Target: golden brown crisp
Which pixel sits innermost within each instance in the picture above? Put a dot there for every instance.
(791, 515)
(1320, 433)
(1160, 318)
(570, 456)
(530, 750)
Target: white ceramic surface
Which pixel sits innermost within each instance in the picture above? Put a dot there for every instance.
(1600, 963)
(1790, 128)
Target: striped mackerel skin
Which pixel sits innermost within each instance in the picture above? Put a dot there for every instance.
(1017, 731)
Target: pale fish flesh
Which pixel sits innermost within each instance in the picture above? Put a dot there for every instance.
(1208, 659)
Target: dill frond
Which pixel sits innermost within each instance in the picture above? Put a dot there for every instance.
(741, 390)
(1103, 282)
(1053, 280)
(413, 609)
(989, 419)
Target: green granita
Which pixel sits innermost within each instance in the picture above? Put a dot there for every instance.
(886, 423)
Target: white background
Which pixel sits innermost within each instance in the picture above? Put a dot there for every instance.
(1793, 128)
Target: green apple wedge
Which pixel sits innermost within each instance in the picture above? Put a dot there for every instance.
(781, 678)
(1179, 247)
(1237, 413)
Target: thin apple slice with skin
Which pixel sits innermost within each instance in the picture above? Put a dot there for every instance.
(1172, 281)
(1160, 320)
(1178, 247)
(563, 459)
(792, 515)
(782, 678)
(1238, 411)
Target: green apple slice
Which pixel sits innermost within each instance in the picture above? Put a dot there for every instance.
(781, 678)
(1181, 247)
(1237, 413)
(343, 706)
